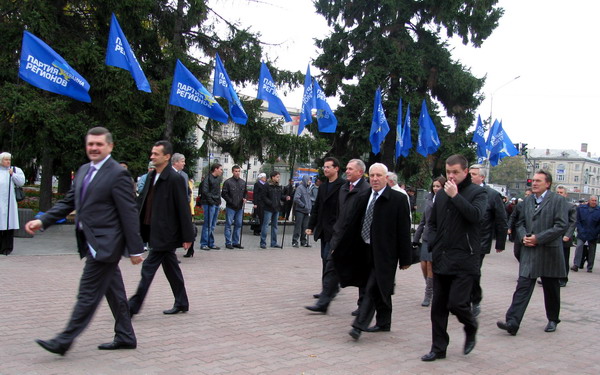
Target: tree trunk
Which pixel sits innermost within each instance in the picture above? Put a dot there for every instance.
(177, 51)
(46, 182)
(64, 182)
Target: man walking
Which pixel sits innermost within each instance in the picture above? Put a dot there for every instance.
(234, 192)
(303, 205)
(375, 242)
(455, 243)
(493, 225)
(211, 201)
(541, 227)
(166, 224)
(107, 228)
(588, 228)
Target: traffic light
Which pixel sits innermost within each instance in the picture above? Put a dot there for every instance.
(529, 182)
(516, 146)
(524, 149)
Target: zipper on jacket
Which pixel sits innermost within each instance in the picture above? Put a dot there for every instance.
(469, 242)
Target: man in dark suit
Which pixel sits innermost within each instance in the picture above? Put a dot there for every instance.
(568, 236)
(455, 243)
(541, 227)
(348, 194)
(166, 224)
(324, 212)
(106, 229)
(374, 243)
(493, 225)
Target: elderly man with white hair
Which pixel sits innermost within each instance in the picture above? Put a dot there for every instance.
(392, 181)
(10, 177)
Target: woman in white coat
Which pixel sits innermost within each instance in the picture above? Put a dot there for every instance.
(10, 177)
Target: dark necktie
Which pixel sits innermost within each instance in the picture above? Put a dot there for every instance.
(351, 186)
(366, 227)
(86, 182)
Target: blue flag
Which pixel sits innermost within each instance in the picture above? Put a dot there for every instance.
(379, 124)
(399, 138)
(480, 140)
(188, 93)
(428, 142)
(308, 102)
(41, 67)
(119, 54)
(325, 117)
(406, 136)
(493, 131)
(268, 91)
(500, 144)
(222, 87)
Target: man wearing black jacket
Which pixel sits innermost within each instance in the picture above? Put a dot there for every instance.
(492, 222)
(455, 241)
(211, 201)
(166, 224)
(234, 193)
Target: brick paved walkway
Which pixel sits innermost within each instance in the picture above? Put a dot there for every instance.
(247, 317)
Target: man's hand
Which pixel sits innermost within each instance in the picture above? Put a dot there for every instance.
(566, 239)
(509, 231)
(530, 241)
(308, 232)
(186, 245)
(451, 189)
(499, 251)
(136, 259)
(404, 267)
(32, 226)
(255, 206)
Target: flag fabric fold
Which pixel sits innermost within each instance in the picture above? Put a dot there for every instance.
(325, 117)
(222, 87)
(267, 90)
(188, 93)
(379, 124)
(308, 102)
(119, 54)
(479, 140)
(406, 136)
(428, 142)
(499, 144)
(42, 67)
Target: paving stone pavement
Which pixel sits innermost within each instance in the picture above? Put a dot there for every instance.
(247, 317)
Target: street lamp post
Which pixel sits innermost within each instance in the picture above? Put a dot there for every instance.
(495, 91)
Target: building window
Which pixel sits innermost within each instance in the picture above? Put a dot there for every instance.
(576, 178)
(545, 166)
(577, 167)
(225, 172)
(254, 174)
(226, 159)
(560, 177)
(255, 161)
(537, 166)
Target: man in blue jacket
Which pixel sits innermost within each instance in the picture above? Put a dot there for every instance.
(588, 227)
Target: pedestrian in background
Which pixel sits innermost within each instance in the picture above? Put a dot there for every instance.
(303, 205)
(10, 177)
(234, 193)
(211, 201)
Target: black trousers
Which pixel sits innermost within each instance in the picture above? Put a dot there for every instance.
(522, 295)
(168, 259)
(99, 279)
(451, 294)
(567, 255)
(7, 238)
(477, 293)
(373, 301)
(331, 285)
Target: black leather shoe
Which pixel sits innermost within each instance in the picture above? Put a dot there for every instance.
(469, 345)
(295, 245)
(574, 268)
(475, 310)
(551, 326)
(175, 310)
(317, 295)
(238, 246)
(230, 247)
(116, 345)
(307, 245)
(355, 312)
(317, 308)
(507, 327)
(562, 283)
(432, 356)
(263, 246)
(214, 247)
(204, 248)
(355, 333)
(378, 329)
(52, 346)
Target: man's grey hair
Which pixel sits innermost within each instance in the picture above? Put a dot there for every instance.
(359, 163)
(562, 187)
(480, 168)
(177, 157)
(262, 175)
(378, 165)
(5, 155)
(393, 177)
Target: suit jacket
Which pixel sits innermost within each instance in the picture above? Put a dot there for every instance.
(324, 212)
(347, 202)
(108, 217)
(390, 242)
(493, 221)
(171, 222)
(549, 223)
(572, 223)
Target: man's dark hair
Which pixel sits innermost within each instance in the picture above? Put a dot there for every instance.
(167, 147)
(528, 189)
(235, 167)
(458, 159)
(545, 173)
(273, 174)
(334, 161)
(215, 167)
(99, 130)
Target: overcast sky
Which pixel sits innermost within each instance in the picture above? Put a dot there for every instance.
(551, 45)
